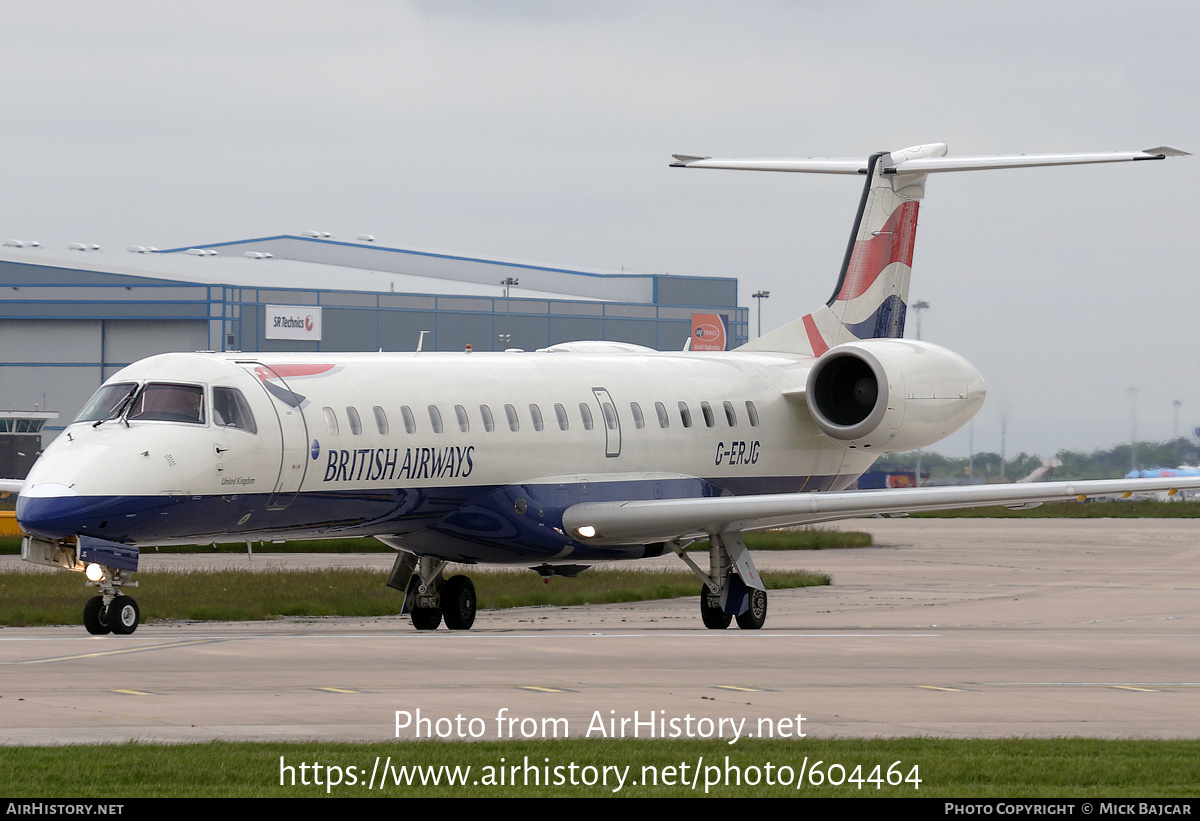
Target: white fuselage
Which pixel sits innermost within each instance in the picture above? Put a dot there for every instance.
(402, 445)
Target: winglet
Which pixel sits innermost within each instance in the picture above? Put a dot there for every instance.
(1167, 151)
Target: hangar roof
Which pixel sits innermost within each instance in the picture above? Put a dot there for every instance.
(229, 267)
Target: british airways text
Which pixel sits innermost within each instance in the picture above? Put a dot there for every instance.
(370, 464)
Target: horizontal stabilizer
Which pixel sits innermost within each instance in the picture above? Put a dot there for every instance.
(807, 165)
(898, 162)
(934, 165)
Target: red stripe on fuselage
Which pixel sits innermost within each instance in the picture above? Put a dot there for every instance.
(893, 243)
(814, 336)
(283, 371)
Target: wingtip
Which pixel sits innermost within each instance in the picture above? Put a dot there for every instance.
(1167, 151)
(682, 160)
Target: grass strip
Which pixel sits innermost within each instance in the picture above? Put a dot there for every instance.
(1002, 768)
(36, 598)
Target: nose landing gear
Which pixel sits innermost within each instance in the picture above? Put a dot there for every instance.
(108, 565)
(110, 612)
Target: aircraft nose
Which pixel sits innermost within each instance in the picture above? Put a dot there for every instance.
(51, 511)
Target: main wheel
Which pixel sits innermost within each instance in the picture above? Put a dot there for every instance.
(94, 617)
(713, 616)
(458, 603)
(123, 615)
(426, 618)
(756, 614)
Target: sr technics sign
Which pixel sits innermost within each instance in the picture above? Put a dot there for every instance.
(294, 322)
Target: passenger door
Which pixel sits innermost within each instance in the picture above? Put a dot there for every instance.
(612, 422)
(293, 457)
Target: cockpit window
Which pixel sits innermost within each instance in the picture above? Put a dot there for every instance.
(231, 410)
(161, 402)
(106, 402)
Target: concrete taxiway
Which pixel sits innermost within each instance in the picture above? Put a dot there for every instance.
(953, 628)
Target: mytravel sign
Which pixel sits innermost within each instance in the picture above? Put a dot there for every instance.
(294, 322)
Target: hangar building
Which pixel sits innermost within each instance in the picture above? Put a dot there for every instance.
(71, 317)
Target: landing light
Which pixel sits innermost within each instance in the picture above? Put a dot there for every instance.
(587, 531)
(94, 572)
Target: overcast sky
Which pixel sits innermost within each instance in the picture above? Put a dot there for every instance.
(542, 131)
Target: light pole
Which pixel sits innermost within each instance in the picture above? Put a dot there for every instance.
(1133, 392)
(760, 296)
(919, 307)
(507, 282)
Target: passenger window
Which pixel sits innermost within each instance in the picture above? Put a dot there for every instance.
(489, 424)
(435, 418)
(536, 414)
(381, 421)
(685, 414)
(464, 424)
(511, 413)
(355, 422)
(410, 421)
(159, 402)
(664, 418)
(231, 410)
(752, 412)
(638, 421)
(586, 413)
(730, 416)
(330, 421)
(706, 409)
(561, 413)
(610, 415)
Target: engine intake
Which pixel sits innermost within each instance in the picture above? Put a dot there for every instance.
(892, 394)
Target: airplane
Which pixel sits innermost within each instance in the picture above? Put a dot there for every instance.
(557, 459)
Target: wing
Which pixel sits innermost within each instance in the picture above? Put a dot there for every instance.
(646, 522)
(11, 485)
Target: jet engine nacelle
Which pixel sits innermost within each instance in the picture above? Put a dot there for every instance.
(892, 394)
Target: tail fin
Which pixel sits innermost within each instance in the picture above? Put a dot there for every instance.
(871, 296)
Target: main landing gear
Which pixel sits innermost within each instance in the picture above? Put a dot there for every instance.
(430, 597)
(732, 587)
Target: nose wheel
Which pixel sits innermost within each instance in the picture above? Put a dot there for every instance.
(121, 615)
(95, 617)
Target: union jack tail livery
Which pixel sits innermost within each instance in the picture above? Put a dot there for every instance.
(871, 297)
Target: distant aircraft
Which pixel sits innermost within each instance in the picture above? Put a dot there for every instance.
(556, 459)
